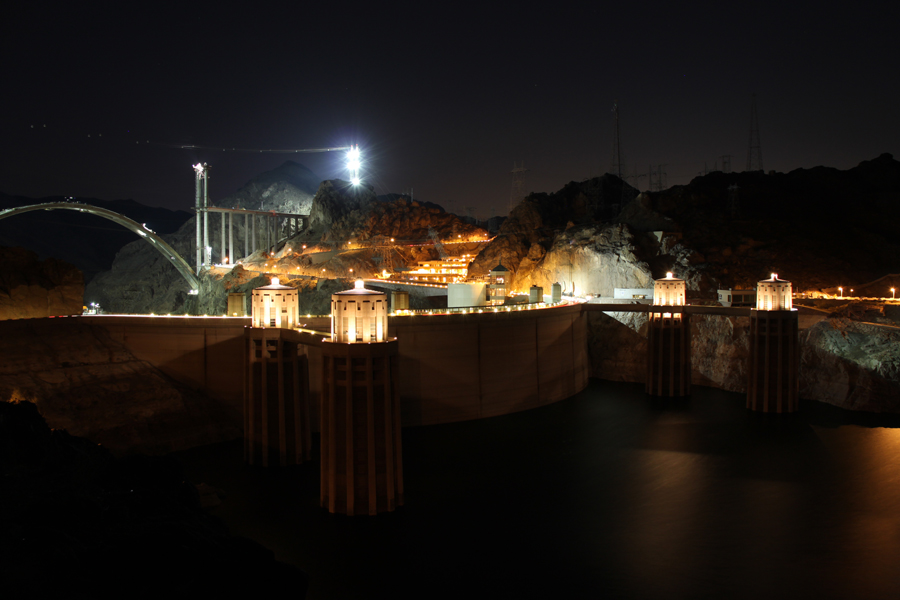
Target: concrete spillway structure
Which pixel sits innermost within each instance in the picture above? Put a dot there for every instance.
(773, 381)
(362, 464)
(668, 340)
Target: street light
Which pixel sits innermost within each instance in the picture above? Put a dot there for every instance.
(841, 290)
(892, 293)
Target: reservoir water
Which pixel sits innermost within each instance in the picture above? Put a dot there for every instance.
(606, 494)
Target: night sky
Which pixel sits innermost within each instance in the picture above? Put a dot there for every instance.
(441, 98)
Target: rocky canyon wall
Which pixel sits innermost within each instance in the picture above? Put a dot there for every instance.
(32, 288)
(848, 364)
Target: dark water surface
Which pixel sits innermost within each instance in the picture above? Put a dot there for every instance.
(605, 494)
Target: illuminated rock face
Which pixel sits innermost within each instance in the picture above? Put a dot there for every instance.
(31, 288)
(591, 260)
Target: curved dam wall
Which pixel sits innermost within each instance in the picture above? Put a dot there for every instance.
(460, 367)
(452, 367)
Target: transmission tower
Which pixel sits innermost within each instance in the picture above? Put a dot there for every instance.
(617, 164)
(754, 151)
(518, 185)
(660, 183)
(726, 163)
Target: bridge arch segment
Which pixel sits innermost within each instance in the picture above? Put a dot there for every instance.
(152, 238)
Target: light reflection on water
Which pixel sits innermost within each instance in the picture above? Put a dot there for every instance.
(604, 494)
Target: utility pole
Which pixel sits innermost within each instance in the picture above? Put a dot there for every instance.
(754, 150)
(518, 185)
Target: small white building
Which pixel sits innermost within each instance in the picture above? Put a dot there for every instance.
(460, 295)
(633, 293)
(774, 294)
(359, 315)
(669, 291)
(555, 293)
(731, 297)
(275, 305)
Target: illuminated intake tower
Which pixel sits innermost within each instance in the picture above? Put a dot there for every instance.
(362, 467)
(773, 382)
(276, 381)
(668, 340)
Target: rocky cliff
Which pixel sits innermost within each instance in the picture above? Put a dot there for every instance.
(818, 227)
(852, 365)
(92, 386)
(591, 237)
(32, 288)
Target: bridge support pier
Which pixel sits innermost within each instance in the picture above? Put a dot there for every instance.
(276, 398)
(668, 353)
(362, 467)
(773, 379)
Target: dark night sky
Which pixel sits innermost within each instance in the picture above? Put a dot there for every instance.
(441, 97)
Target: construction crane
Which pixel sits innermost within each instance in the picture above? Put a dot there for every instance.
(437, 243)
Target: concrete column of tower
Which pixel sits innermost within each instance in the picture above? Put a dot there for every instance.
(198, 216)
(362, 466)
(222, 240)
(668, 354)
(276, 398)
(773, 376)
(668, 340)
(361, 447)
(230, 238)
(246, 235)
(206, 247)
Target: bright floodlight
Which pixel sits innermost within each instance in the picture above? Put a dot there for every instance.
(354, 164)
